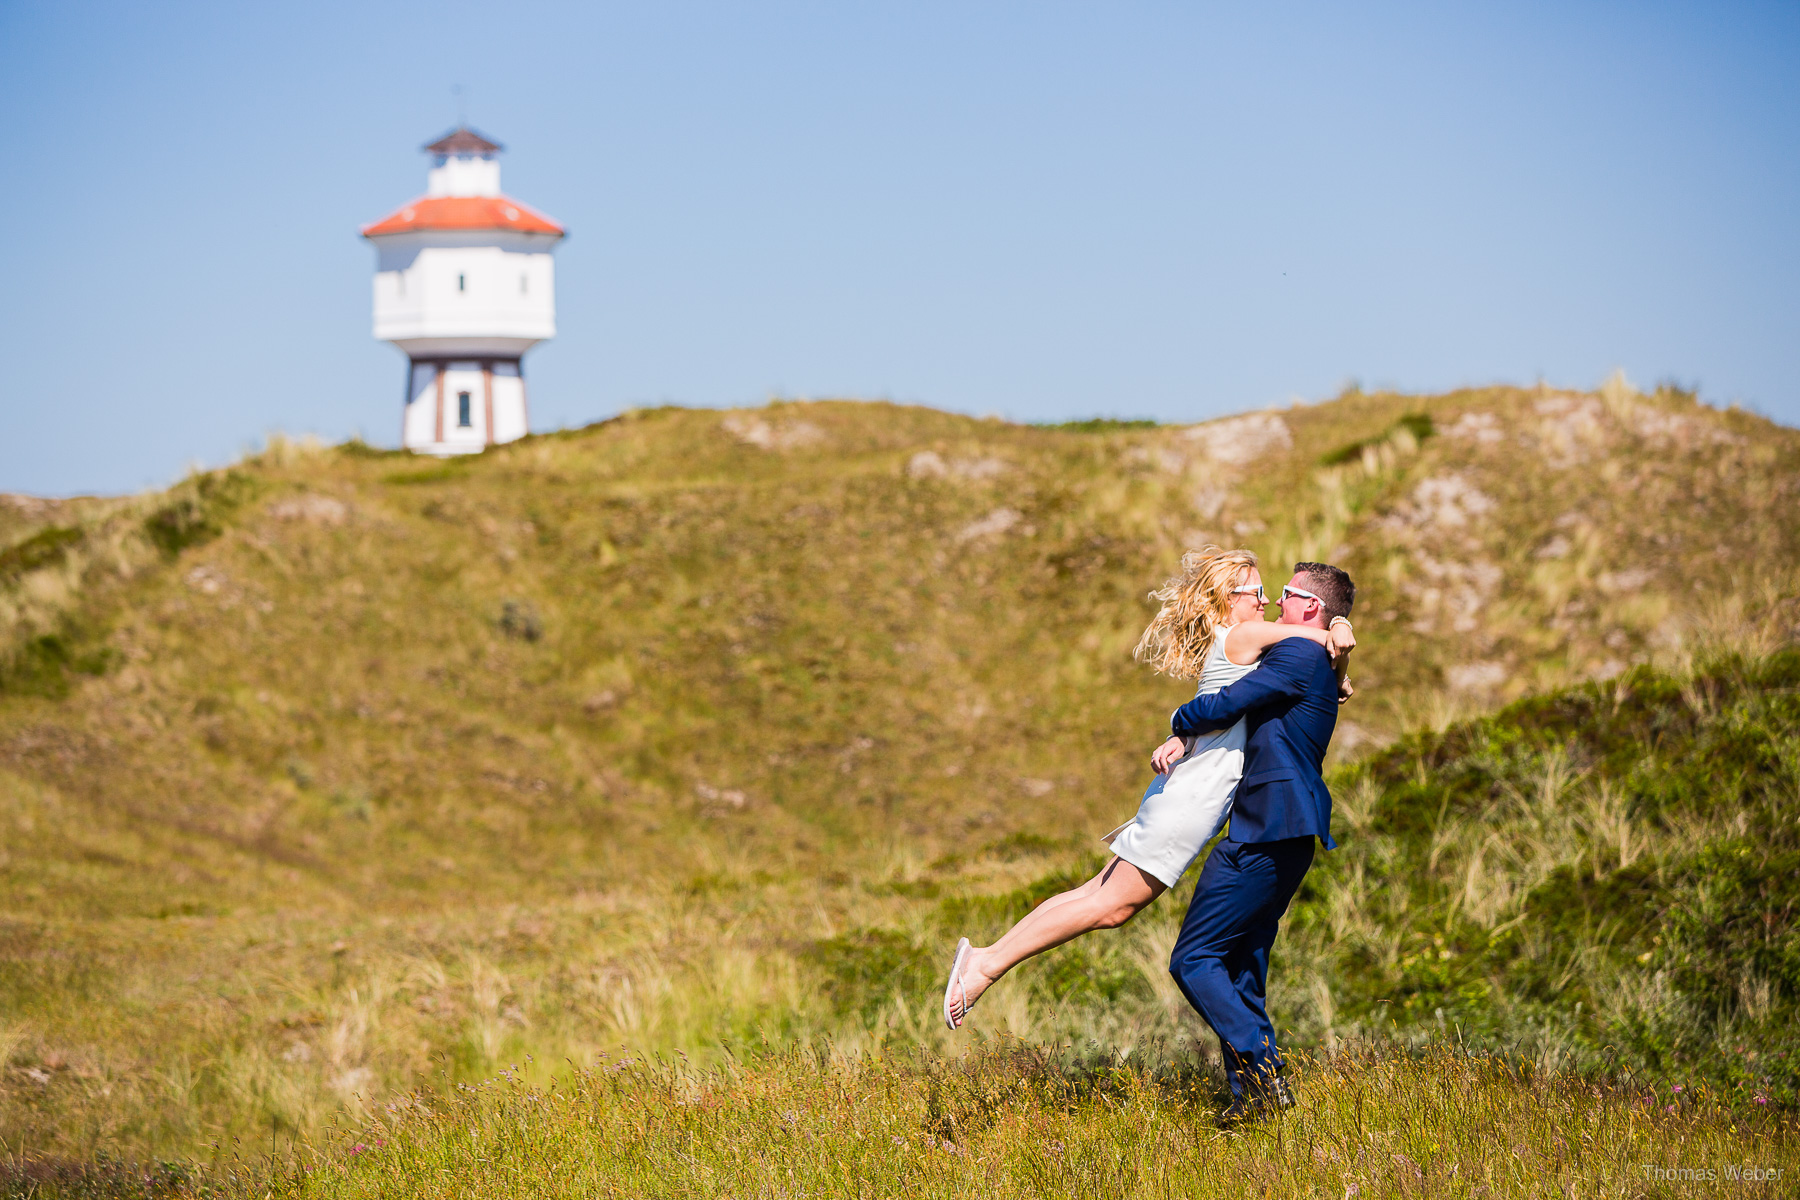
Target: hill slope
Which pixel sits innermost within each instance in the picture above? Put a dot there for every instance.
(690, 724)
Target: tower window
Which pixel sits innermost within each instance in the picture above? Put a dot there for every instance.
(462, 283)
(463, 411)
(400, 281)
(524, 281)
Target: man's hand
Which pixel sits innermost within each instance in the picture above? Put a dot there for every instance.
(1167, 754)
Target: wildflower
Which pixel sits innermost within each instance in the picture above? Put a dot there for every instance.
(358, 1148)
(1678, 1088)
(1762, 1099)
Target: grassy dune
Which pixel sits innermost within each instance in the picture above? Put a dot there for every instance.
(340, 771)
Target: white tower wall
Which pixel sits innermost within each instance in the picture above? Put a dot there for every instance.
(435, 286)
(464, 175)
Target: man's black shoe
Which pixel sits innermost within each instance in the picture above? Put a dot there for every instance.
(1237, 1112)
(1280, 1095)
(1259, 1100)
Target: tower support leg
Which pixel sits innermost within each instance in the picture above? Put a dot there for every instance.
(487, 402)
(440, 405)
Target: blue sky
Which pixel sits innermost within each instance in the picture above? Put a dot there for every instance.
(1041, 210)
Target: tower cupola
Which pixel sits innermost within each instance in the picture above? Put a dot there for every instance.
(463, 163)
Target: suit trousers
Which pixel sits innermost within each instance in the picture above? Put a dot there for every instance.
(1221, 959)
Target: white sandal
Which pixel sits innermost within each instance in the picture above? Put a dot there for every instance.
(955, 984)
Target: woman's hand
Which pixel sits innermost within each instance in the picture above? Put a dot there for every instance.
(1340, 639)
(1345, 689)
(1167, 754)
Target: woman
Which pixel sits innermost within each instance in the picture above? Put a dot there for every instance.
(1210, 627)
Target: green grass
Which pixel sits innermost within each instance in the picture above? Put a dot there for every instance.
(1605, 876)
(1417, 426)
(697, 727)
(1016, 1120)
(1101, 424)
(45, 548)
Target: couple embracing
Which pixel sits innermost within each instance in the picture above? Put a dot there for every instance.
(1248, 748)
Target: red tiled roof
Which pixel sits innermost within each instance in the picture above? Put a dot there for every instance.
(463, 140)
(463, 212)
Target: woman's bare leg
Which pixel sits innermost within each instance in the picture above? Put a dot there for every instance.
(1118, 893)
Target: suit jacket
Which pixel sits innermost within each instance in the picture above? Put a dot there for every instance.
(1290, 708)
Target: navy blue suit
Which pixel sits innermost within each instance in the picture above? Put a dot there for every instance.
(1221, 959)
(1290, 708)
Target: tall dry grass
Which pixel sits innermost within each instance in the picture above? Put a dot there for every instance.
(1012, 1119)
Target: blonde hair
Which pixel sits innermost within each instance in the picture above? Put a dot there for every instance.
(1195, 604)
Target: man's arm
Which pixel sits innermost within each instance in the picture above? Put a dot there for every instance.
(1282, 677)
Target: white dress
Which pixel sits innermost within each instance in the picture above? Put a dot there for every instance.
(1184, 809)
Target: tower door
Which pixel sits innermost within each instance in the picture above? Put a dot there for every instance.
(465, 405)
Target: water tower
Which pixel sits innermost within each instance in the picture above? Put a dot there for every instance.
(464, 286)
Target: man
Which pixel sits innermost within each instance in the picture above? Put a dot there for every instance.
(1221, 959)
